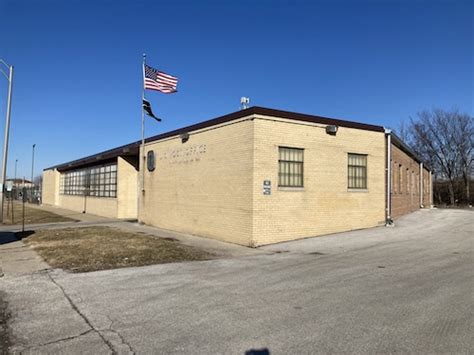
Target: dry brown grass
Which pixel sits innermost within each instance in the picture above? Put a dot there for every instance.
(32, 215)
(99, 248)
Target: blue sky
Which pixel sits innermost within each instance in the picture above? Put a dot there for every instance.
(78, 80)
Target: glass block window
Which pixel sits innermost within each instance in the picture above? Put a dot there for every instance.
(357, 171)
(290, 167)
(97, 181)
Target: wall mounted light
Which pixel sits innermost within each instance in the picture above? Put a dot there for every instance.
(184, 137)
(331, 129)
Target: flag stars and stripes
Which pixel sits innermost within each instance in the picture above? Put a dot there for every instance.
(159, 81)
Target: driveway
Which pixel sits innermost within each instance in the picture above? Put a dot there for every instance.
(402, 289)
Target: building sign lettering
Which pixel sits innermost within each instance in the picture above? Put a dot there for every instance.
(183, 155)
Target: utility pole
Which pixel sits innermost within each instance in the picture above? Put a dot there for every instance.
(15, 185)
(16, 164)
(14, 193)
(3, 175)
(33, 164)
(32, 174)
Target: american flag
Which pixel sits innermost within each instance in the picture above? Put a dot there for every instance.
(159, 81)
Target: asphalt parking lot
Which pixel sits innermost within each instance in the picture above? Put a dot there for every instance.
(402, 289)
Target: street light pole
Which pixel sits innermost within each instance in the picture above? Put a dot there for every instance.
(32, 191)
(15, 182)
(16, 163)
(33, 164)
(3, 175)
(14, 193)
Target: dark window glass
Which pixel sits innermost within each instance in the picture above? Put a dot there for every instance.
(290, 167)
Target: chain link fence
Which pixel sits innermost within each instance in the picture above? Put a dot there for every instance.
(32, 193)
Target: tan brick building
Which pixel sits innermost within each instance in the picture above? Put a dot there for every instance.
(253, 177)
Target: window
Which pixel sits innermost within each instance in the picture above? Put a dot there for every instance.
(416, 183)
(98, 181)
(399, 178)
(407, 182)
(394, 181)
(357, 171)
(290, 167)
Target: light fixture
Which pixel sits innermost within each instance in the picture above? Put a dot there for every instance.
(331, 129)
(184, 137)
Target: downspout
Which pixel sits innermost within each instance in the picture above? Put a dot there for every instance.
(388, 218)
(421, 185)
(431, 189)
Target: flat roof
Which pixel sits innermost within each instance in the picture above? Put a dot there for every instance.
(133, 148)
(398, 142)
(124, 150)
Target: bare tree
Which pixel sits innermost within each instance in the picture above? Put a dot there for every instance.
(444, 139)
(402, 130)
(463, 140)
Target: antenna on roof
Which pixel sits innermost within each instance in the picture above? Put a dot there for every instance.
(244, 102)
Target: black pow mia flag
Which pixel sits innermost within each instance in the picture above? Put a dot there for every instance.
(147, 108)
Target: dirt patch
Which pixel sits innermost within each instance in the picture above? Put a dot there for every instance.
(32, 215)
(5, 336)
(100, 248)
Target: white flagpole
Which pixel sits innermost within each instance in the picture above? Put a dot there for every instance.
(143, 131)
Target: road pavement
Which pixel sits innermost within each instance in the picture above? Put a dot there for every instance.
(403, 289)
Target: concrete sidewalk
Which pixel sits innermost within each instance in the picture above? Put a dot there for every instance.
(16, 258)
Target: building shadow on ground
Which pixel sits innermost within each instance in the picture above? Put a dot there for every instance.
(263, 351)
(10, 237)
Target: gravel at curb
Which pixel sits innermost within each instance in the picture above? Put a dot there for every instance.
(5, 339)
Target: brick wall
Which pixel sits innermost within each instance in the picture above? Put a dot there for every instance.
(50, 187)
(127, 187)
(101, 206)
(203, 186)
(325, 204)
(406, 184)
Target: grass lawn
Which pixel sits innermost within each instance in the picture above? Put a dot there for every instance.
(100, 248)
(32, 215)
